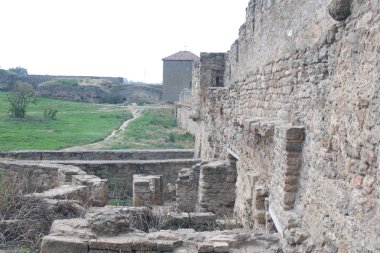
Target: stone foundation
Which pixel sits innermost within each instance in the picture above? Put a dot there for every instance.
(110, 229)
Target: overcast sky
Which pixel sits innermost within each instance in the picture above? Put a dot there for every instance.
(125, 38)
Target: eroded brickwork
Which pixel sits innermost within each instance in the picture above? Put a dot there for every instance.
(294, 69)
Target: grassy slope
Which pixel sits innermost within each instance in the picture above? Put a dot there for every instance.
(156, 129)
(76, 124)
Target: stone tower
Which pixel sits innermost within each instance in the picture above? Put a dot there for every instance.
(177, 74)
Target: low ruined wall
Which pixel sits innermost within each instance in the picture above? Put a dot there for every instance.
(120, 173)
(99, 155)
(30, 178)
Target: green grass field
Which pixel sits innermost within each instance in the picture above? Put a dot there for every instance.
(155, 129)
(76, 124)
(82, 123)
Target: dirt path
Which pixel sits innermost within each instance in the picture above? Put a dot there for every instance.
(118, 134)
(113, 137)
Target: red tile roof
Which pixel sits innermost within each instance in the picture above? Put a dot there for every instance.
(182, 56)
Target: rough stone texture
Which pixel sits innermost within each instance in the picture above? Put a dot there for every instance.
(195, 220)
(217, 188)
(340, 9)
(100, 155)
(89, 94)
(293, 65)
(116, 166)
(56, 182)
(187, 189)
(98, 188)
(65, 244)
(120, 173)
(126, 93)
(147, 190)
(136, 93)
(44, 176)
(108, 230)
(112, 220)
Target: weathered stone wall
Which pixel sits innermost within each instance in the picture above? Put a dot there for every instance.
(136, 93)
(7, 79)
(216, 192)
(184, 114)
(123, 93)
(89, 94)
(293, 65)
(120, 173)
(99, 155)
(187, 189)
(37, 79)
(32, 178)
(54, 182)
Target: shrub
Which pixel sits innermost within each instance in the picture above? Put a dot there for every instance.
(21, 95)
(19, 70)
(50, 113)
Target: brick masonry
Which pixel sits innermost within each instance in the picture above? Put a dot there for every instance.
(308, 75)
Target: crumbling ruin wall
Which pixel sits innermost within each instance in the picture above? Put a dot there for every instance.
(57, 155)
(294, 66)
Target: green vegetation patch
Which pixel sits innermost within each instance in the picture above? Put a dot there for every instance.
(155, 129)
(75, 124)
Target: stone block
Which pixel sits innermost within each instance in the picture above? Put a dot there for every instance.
(205, 247)
(113, 220)
(289, 198)
(53, 244)
(165, 246)
(221, 247)
(109, 245)
(202, 218)
(260, 216)
(147, 190)
(67, 192)
(339, 9)
(292, 134)
(65, 173)
(291, 180)
(98, 188)
(290, 188)
(293, 147)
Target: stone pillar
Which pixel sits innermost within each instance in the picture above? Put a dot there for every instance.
(187, 189)
(289, 143)
(217, 188)
(147, 190)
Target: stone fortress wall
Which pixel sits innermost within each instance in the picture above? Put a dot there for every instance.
(299, 109)
(113, 88)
